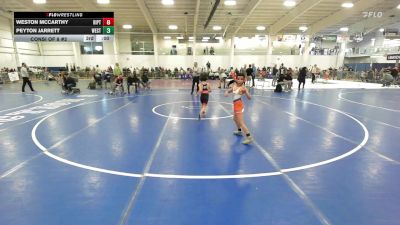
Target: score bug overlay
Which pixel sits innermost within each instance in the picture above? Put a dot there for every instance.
(63, 26)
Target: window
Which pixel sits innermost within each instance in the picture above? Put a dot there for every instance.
(142, 44)
(92, 48)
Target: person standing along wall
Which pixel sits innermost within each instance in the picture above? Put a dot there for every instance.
(117, 70)
(253, 74)
(274, 75)
(302, 76)
(25, 77)
(208, 64)
(313, 73)
(249, 73)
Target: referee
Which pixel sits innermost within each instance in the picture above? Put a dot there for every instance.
(25, 77)
(196, 76)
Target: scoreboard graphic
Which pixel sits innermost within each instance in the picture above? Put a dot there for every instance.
(63, 26)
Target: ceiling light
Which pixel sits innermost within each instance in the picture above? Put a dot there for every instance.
(260, 28)
(303, 28)
(103, 1)
(167, 2)
(398, 6)
(172, 27)
(372, 39)
(191, 38)
(180, 38)
(347, 5)
(381, 30)
(167, 37)
(230, 2)
(289, 3)
(127, 26)
(218, 38)
(39, 1)
(217, 27)
(206, 38)
(344, 29)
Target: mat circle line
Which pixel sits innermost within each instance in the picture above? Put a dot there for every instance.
(190, 118)
(5, 110)
(363, 104)
(199, 177)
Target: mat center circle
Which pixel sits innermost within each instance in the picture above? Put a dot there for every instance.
(189, 110)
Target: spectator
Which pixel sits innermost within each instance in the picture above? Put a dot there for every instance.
(282, 70)
(288, 80)
(117, 70)
(253, 74)
(394, 72)
(387, 79)
(314, 72)
(132, 80)
(69, 83)
(145, 81)
(249, 73)
(98, 70)
(118, 83)
(222, 77)
(274, 75)
(302, 76)
(363, 76)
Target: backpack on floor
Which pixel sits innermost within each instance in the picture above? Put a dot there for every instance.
(278, 88)
(92, 85)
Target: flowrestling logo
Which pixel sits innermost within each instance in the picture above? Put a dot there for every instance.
(372, 14)
(21, 114)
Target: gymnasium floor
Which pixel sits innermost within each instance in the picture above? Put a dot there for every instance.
(320, 156)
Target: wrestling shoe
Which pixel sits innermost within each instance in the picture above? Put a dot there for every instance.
(248, 140)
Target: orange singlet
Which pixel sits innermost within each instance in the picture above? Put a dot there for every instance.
(238, 106)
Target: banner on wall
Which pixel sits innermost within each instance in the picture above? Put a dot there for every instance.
(289, 37)
(329, 38)
(343, 38)
(393, 57)
(13, 76)
(391, 32)
(303, 38)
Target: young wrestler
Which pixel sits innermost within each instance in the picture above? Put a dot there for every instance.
(118, 83)
(238, 89)
(204, 90)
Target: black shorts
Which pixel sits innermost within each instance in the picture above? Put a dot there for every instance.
(204, 98)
